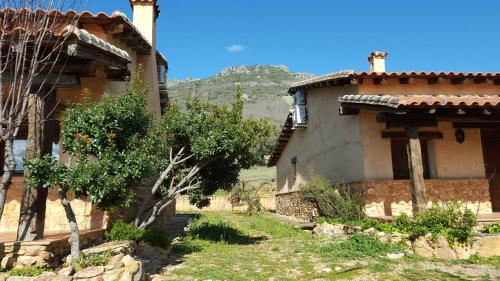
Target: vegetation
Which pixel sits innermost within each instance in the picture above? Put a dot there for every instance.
(121, 230)
(249, 197)
(492, 228)
(85, 260)
(232, 246)
(105, 142)
(26, 272)
(357, 247)
(448, 220)
(335, 201)
(198, 150)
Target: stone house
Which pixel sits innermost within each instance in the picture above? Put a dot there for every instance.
(392, 135)
(100, 54)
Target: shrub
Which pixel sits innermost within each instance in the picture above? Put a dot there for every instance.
(359, 246)
(26, 271)
(447, 220)
(336, 201)
(240, 196)
(120, 230)
(156, 237)
(92, 260)
(492, 228)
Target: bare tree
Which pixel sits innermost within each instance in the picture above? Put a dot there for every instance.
(32, 40)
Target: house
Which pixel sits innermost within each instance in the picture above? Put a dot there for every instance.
(99, 55)
(359, 129)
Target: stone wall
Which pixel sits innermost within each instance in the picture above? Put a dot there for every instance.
(88, 216)
(131, 212)
(393, 197)
(45, 253)
(221, 203)
(290, 204)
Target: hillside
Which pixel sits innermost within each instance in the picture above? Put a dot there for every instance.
(264, 89)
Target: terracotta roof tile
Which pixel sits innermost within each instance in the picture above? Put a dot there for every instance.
(406, 101)
(349, 74)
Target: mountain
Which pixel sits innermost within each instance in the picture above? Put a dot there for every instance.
(264, 89)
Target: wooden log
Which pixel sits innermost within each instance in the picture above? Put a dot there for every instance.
(415, 164)
(39, 142)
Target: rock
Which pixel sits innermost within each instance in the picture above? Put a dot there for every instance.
(395, 256)
(352, 229)
(443, 250)
(370, 231)
(67, 271)
(62, 278)
(46, 276)
(3, 276)
(487, 246)
(396, 237)
(19, 278)
(327, 270)
(329, 230)
(338, 268)
(115, 247)
(422, 248)
(133, 270)
(463, 252)
(89, 272)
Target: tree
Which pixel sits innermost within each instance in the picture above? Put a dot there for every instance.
(199, 150)
(104, 141)
(31, 45)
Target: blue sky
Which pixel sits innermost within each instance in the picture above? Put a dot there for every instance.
(201, 37)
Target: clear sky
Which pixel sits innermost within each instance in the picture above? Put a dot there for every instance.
(201, 37)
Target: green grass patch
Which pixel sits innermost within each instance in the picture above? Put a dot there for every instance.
(26, 272)
(358, 247)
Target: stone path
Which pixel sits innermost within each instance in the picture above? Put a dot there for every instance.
(176, 225)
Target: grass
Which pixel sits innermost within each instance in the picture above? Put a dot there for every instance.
(232, 246)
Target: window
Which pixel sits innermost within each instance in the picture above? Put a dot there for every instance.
(400, 166)
(294, 168)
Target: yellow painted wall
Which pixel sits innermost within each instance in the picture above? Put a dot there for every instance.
(351, 149)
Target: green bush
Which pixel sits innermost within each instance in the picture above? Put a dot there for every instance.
(363, 223)
(492, 228)
(335, 201)
(26, 271)
(359, 246)
(120, 230)
(156, 237)
(447, 220)
(85, 260)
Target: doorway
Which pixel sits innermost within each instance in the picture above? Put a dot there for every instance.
(491, 151)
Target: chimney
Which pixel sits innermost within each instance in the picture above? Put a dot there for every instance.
(145, 14)
(377, 61)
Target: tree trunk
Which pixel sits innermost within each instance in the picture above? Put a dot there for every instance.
(415, 164)
(32, 215)
(75, 234)
(8, 168)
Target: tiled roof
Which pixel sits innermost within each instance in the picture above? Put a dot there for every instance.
(286, 133)
(323, 80)
(97, 42)
(407, 101)
(89, 17)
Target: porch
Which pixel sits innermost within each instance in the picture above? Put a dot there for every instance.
(427, 149)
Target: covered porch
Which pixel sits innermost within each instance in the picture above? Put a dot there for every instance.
(441, 148)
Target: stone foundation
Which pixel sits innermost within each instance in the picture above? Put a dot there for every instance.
(44, 253)
(290, 204)
(393, 197)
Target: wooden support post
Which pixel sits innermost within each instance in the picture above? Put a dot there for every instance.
(416, 167)
(32, 215)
